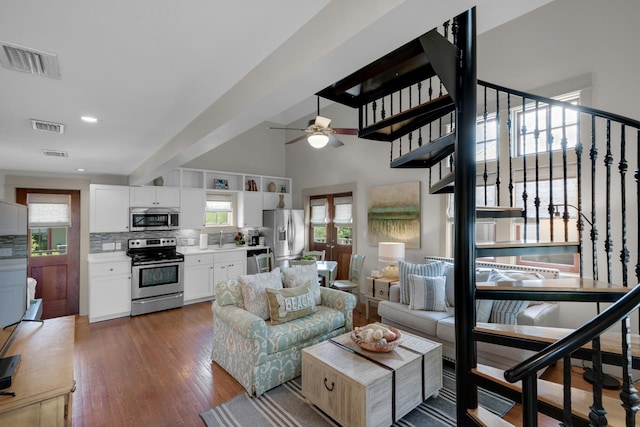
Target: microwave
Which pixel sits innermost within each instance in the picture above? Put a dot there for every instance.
(149, 219)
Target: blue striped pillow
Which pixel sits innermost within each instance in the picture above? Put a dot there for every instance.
(432, 269)
(427, 293)
(504, 311)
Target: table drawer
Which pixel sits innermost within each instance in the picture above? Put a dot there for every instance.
(204, 259)
(109, 268)
(379, 288)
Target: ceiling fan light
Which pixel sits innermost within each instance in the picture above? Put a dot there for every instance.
(318, 140)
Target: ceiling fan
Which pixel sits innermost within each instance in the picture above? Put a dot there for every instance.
(319, 134)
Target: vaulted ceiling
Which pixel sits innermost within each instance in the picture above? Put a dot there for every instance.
(169, 81)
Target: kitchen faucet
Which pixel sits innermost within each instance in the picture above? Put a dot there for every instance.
(221, 236)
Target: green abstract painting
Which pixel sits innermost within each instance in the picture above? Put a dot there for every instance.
(393, 214)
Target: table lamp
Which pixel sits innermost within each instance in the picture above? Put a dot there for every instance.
(390, 252)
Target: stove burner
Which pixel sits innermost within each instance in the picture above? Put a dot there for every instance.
(153, 251)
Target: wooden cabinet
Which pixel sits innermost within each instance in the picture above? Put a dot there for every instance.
(109, 289)
(109, 208)
(250, 209)
(229, 265)
(154, 197)
(198, 278)
(43, 382)
(192, 205)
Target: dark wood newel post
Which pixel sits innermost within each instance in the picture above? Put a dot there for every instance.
(465, 202)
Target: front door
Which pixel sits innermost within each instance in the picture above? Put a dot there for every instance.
(331, 228)
(54, 256)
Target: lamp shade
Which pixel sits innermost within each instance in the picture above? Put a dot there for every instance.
(390, 251)
(318, 139)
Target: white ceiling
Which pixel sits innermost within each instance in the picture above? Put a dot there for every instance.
(172, 80)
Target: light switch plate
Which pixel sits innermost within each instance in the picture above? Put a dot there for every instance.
(108, 246)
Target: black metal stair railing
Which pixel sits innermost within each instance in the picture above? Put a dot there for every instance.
(562, 350)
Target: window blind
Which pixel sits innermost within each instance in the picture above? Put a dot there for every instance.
(49, 210)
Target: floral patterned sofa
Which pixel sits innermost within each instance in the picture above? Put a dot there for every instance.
(257, 351)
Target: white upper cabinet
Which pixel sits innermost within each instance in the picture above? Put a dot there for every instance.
(250, 209)
(109, 208)
(154, 197)
(192, 205)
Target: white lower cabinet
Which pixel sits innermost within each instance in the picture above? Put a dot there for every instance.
(229, 265)
(109, 290)
(198, 278)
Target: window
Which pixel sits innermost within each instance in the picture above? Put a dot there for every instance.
(342, 219)
(319, 220)
(49, 219)
(487, 138)
(539, 121)
(219, 210)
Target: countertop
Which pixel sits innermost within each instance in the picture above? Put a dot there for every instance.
(211, 249)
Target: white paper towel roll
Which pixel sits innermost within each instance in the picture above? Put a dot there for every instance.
(204, 241)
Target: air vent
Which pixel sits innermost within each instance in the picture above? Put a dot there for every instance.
(55, 153)
(30, 61)
(47, 126)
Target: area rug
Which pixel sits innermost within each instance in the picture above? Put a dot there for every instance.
(285, 406)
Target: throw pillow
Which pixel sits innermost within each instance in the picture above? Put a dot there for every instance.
(301, 274)
(229, 292)
(504, 311)
(483, 310)
(427, 293)
(290, 303)
(432, 269)
(254, 292)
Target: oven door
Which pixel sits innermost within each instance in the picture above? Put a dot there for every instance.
(156, 279)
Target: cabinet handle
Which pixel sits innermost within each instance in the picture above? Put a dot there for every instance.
(327, 387)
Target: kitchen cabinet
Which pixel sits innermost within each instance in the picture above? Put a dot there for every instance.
(229, 265)
(192, 206)
(251, 209)
(109, 289)
(154, 197)
(109, 208)
(198, 278)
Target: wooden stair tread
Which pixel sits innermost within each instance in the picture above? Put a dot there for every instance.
(565, 289)
(552, 394)
(487, 418)
(610, 342)
(516, 248)
(444, 186)
(395, 126)
(428, 154)
(498, 212)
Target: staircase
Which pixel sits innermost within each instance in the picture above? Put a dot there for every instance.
(423, 98)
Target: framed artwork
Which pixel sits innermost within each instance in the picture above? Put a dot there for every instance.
(221, 184)
(393, 214)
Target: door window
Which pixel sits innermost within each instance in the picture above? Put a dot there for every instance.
(49, 220)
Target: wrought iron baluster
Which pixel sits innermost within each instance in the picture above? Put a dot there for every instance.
(524, 167)
(580, 223)
(530, 401)
(485, 176)
(622, 168)
(550, 148)
(536, 200)
(597, 415)
(374, 108)
(608, 161)
(563, 144)
(637, 177)
(497, 148)
(510, 142)
(410, 133)
(567, 419)
(629, 394)
(593, 154)
(383, 112)
(419, 103)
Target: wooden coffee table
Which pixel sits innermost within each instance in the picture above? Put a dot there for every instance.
(357, 387)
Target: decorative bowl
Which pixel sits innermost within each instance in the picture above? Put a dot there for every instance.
(376, 346)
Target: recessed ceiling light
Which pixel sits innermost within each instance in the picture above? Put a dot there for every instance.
(80, 170)
(89, 119)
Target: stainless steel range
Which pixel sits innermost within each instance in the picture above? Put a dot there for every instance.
(157, 275)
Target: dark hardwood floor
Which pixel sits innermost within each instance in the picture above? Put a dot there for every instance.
(155, 370)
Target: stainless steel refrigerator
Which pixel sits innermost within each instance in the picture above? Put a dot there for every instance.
(284, 233)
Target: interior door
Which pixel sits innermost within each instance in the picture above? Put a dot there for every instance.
(330, 229)
(54, 256)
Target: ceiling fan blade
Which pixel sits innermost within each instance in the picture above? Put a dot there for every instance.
(301, 130)
(335, 142)
(346, 131)
(323, 122)
(301, 137)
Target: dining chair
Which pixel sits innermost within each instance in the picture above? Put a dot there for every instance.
(264, 262)
(355, 274)
(318, 254)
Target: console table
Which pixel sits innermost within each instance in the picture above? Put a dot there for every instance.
(43, 382)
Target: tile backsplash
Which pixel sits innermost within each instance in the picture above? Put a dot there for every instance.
(96, 240)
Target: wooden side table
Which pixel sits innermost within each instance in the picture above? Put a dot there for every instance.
(43, 382)
(377, 290)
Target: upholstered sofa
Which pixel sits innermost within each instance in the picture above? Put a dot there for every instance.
(257, 351)
(440, 325)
